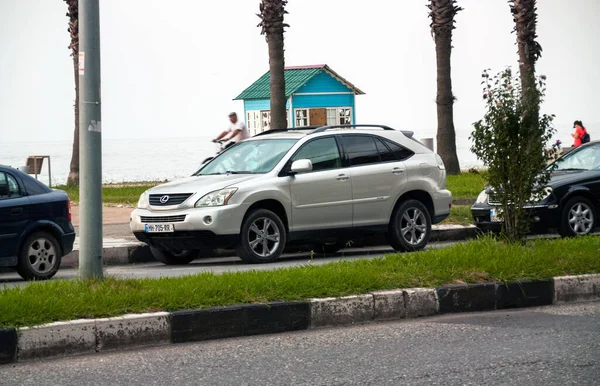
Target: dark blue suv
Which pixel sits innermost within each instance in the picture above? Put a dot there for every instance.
(35, 225)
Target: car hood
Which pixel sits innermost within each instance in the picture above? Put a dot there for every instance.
(568, 177)
(202, 184)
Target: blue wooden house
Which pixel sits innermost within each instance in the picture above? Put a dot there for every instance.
(316, 95)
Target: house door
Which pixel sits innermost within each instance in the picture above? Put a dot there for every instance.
(318, 117)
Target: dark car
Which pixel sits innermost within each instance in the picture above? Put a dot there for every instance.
(570, 202)
(35, 225)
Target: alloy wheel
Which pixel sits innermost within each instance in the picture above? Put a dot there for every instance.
(42, 255)
(581, 218)
(264, 237)
(413, 226)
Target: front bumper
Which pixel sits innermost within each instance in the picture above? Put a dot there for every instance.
(543, 217)
(213, 227)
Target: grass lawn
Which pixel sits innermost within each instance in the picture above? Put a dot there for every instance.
(126, 194)
(483, 260)
(466, 185)
(459, 215)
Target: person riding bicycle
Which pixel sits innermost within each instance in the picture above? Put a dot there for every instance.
(237, 131)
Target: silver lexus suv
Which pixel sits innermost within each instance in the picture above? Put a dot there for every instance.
(318, 185)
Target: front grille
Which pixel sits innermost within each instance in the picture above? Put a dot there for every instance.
(168, 199)
(493, 200)
(158, 219)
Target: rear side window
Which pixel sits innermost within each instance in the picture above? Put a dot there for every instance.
(34, 187)
(9, 188)
(361, 149)
(400, 153)
(384, 152)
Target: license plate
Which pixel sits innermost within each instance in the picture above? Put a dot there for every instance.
(494, 217)
(159, 228)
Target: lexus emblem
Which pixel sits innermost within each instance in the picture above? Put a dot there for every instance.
(164, 199)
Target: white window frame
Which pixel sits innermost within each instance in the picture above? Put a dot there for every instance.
(260, 120)
(306, 118)
(337, 115)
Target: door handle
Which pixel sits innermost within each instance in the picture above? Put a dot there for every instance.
(16, 211)
(397, 171)
(342, 177)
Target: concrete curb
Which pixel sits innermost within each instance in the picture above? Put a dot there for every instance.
(137, 252)
(87, 336)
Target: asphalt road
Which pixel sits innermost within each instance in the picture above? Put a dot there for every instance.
(218, 265)
(556, 345)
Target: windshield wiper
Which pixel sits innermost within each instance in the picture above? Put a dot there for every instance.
(570, 170)
(228, 172)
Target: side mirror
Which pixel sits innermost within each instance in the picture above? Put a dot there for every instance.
(301, 166)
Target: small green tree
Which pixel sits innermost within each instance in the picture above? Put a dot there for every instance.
(514, 147)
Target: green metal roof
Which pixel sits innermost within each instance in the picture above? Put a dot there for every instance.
(295, 77)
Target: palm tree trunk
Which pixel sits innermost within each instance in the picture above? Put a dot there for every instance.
(442, 14)
(446, 135)
(272, 25)
(529, 50)
(73, 15)
(74, 169)
(277, 81)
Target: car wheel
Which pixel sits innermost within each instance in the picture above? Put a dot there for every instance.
(331, 247)
(262, 238)
(40, 257)
(410, 227)
(578, 217)
(174, 258)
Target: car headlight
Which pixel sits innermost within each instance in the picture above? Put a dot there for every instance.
(541, 196)
(143, 201)
(483, 197)
(440, 162)
(216, 198)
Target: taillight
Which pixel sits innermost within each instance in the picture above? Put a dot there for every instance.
(69, 210)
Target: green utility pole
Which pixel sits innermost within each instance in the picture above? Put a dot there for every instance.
(90, 142)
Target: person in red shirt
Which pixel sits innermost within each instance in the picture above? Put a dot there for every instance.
(578, 133)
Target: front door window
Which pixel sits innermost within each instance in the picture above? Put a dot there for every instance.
(323, 153)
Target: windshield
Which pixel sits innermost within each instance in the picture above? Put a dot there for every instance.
(588, 158)
(249, 157)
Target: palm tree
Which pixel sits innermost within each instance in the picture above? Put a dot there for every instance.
(525, 17)
(72, 14)
(272, 26)
(442, 14)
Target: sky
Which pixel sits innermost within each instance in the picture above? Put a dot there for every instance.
(171, 69)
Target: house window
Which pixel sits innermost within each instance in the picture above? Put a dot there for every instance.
(302, 117)
(253, 122)
(265, 120)
(259, 121)
(339, 116)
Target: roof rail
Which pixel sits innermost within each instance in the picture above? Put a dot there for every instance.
(323, 128)
(271, 131)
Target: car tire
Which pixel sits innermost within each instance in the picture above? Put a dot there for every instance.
(172, 258)
(40, 257)
(330, 248)
(578, 217)
(410, 227)
(261, 229)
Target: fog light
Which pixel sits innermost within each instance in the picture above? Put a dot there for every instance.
(208, 220)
